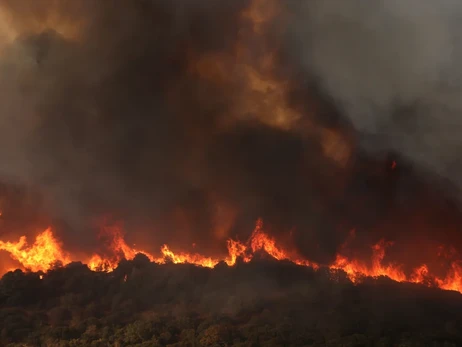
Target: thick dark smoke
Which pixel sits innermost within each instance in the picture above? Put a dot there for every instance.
(102, 115)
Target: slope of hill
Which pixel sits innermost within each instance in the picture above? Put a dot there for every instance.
(261, 303)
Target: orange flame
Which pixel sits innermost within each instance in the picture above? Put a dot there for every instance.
(235, 251)
(453, 280)
(41, 256)
(46, 252)
(183, 258)
(119, 249)
(357, 270)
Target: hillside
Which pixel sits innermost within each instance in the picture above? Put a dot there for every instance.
(261, 303)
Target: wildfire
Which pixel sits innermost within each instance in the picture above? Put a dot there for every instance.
(119, 250)
(249, 68)
(41, 256)
(236, 250)
(182, 258)
(46, 252)
(357, 270)
(259, 241)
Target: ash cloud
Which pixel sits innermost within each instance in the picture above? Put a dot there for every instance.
(393, 67)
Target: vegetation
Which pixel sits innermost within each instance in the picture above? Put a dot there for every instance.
(263, 303)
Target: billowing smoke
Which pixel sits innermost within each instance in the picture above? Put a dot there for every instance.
(394, 68)
(102, 111)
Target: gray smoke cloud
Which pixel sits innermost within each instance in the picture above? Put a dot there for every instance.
(393, 67)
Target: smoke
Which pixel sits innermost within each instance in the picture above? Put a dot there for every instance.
(105, 110)
(393, 67)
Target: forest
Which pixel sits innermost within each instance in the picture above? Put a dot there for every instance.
(261, 303)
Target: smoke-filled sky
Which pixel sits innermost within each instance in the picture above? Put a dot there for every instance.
(190, 119)
(394, 68)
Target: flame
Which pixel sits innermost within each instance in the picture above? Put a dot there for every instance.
(453, 281)
(119, 250)
(420, 274)
(357, 270)
(258, 241)
(236, 250)
(41, 256)
(46, 252)
(183, 258)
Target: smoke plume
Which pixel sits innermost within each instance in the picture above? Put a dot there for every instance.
(122, 109)
(394, 68)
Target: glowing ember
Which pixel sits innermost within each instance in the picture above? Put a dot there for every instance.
(41, 256)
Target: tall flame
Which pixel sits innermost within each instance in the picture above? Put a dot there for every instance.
(41, 256)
